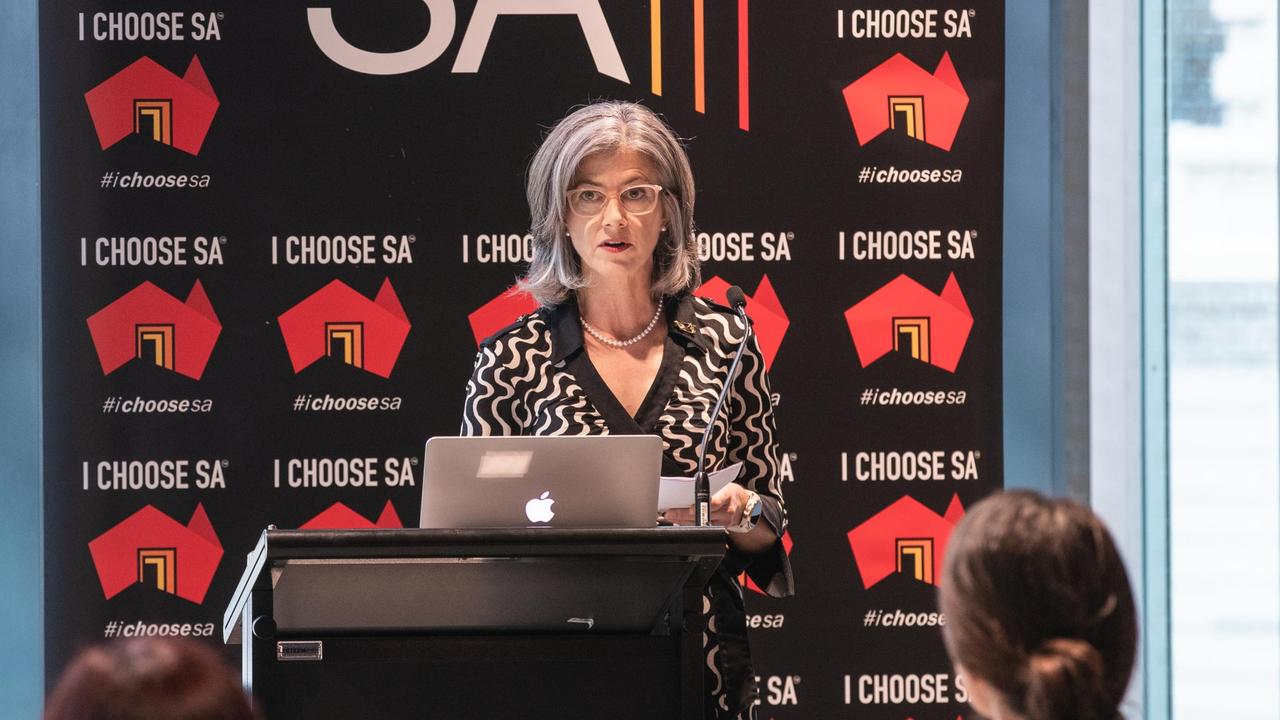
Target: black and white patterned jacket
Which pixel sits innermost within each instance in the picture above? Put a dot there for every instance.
(535, 378)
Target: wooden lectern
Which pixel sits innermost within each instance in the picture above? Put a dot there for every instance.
(486, 624)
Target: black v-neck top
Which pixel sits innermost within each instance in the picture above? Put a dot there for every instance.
(566, 336)
(535, 378)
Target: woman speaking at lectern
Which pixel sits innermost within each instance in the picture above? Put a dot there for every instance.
(620, 345)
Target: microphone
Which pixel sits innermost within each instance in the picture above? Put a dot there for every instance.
(737, 300)
(701, 484)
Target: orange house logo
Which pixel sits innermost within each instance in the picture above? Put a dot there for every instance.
(340, 517)
(500, 312)
(902, 96)
(148, 323)
(152, 548)
(905, 316)
(906, 538)
(146, 99)
(768, 319)
(339, 322)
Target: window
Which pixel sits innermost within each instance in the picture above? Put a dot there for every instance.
(1223, 394)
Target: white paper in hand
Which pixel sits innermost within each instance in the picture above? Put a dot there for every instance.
(677, 492)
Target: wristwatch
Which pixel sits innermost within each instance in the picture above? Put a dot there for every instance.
(750, 514)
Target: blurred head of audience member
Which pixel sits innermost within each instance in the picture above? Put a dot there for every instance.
(148, 679)
(1040, 616)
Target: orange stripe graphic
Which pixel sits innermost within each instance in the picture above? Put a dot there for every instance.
(699, 59)
(744, 85)
(655, 46)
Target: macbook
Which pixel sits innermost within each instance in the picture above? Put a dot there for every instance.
(587, 481)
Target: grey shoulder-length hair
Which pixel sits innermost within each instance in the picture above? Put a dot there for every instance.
(555, 271)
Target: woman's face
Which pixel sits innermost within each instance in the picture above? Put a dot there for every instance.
(614, 244)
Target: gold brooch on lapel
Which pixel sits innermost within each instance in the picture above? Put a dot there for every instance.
(684, 327)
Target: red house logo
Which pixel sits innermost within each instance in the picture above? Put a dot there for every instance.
(902, 96)
(340, 517)
(905, 316)
(763, 307)
(500, 312)
(765, 310)
(150, 324)
(146, 99)
(152, 548)
(339, 322)
(906, 538)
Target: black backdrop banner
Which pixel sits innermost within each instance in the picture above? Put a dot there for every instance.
(273, 233)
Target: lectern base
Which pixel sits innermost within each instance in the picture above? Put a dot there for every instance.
(613, 677)
(528, 623)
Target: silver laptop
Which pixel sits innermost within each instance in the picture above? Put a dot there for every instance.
(563, 482)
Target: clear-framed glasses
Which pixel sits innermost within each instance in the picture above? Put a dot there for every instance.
(635, 199)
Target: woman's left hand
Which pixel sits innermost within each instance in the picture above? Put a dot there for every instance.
(727, 507)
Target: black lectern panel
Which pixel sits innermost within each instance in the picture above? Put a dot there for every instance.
(476, 594)
(528, 623)
(483, 678)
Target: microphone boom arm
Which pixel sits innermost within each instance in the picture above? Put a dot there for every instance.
(701, 483)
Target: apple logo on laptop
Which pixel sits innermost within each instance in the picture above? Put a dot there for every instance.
(539, 508)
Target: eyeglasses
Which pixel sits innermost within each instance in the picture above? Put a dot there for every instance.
(635, 199)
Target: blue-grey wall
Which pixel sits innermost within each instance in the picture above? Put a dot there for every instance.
(21, 626)
(1032, 398)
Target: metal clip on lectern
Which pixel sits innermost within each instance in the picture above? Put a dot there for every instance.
(459, 624)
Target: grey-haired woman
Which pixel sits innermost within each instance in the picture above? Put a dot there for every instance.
(620, 345)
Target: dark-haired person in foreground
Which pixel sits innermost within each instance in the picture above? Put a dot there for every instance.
(148, 679)
(621, 346)
(1040, 616)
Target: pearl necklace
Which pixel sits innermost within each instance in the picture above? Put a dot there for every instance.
(629, 341)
